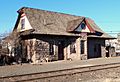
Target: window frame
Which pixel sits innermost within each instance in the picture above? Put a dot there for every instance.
(22, 24)
(52, 48)
(73, 47)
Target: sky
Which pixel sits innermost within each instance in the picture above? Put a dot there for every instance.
(105, 13)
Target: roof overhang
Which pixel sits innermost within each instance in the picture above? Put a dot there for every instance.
(100, 37)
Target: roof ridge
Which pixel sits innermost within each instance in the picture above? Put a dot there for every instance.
(56, 12)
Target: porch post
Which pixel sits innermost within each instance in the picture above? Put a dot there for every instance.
(28, 50)
(34, 51)
(78, 49)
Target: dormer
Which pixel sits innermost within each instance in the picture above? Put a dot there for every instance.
(82, 28)
(79, 26)
(24, 23)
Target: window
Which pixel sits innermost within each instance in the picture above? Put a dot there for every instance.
(72, 48)
(83, 25)
(82, 46)
(22, 24)
(51, 49)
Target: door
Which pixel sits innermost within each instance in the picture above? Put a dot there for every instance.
(61, 50)
(97, 50)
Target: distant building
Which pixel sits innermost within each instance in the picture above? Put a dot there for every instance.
(115, 43)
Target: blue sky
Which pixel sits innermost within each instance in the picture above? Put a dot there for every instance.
(106, 13)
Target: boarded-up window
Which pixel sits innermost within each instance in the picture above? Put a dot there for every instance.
(72, 48)
(22, 24)
(82, 47)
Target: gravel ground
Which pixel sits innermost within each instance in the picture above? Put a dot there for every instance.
(53, 66)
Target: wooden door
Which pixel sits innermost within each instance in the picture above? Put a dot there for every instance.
(97, 50)
(61, 50)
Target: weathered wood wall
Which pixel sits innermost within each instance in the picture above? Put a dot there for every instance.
(92, 50)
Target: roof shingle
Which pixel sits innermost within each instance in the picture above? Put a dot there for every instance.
(48, 22)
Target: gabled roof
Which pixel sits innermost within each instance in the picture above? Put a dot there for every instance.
(48, 22)
(93, 25)
(97, 29)
(71, 26)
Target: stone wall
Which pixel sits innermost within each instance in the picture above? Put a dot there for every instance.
(84, 55)
(38, 47)
(42, 47)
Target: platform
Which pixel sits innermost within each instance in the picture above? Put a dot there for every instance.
(14, 70)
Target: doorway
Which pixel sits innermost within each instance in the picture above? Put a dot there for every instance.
(61, 50)
(97, 50)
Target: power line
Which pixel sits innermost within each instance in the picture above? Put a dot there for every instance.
(113, 32)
